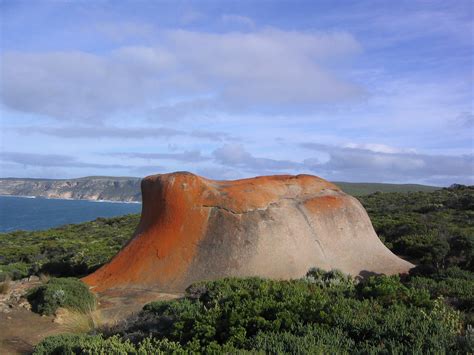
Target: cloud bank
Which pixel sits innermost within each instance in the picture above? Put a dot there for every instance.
(365, 164)
(266, 68)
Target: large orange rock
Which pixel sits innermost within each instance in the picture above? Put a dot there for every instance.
(194, 229)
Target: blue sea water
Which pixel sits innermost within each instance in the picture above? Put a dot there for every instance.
(41, 213)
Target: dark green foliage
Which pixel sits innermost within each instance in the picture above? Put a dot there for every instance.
(388, 290)
(14, 271)
(61, 292)
(427, 248)
(456, 285)
(380, 315)
(435, 229)
(68, 344)
(367, 188)
(82, 344)
(71, 250)
(307, 340)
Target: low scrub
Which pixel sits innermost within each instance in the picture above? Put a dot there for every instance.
(97, 344)
(434, 229)
(14, 271)
(70, 250)
(326, 312)
(67, 292)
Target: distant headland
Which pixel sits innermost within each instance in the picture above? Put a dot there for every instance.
(127, 189)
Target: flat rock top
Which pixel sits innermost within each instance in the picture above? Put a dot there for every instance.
(237, 196)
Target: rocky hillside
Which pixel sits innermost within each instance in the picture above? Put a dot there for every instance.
(87, 188)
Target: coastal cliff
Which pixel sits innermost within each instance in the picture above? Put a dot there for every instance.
(87, 188)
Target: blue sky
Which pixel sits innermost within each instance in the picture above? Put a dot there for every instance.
(351, 91)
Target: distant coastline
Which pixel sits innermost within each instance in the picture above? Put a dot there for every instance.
(94, 188)
(69, 199)
(127, 189)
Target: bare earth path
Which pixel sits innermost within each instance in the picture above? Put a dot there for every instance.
(21, 329)
(120, 303)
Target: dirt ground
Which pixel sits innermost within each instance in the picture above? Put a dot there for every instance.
(21, 329)
(121, 303)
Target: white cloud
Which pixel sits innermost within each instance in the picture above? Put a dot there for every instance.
(366, 163)
(96, 131)
(235, 155)
(52, 160)
(186, 156)
(362, 164)
(378, 148)
(267, 68)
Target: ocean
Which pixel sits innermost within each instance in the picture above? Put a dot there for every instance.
(40, 213)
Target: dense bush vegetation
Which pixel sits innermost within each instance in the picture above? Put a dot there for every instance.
(83, 344)
(429, 311)
(367, 188)
(322, 313)
(64, 292)
(71, 250)
(434, 229)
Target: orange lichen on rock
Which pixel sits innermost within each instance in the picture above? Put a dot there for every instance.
(194, 229)
(248, 194)
(324, 204)
(166, 239)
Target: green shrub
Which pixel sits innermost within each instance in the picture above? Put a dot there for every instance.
(427, 248)
(334, 280)
(434, 228)
(307, 340)
(385, 289)
(155, 346)
(14, 271)
(59, 344)
(308, 315)
(380, 315)
(98, 345)
(83, 344)
(71, 250)
(61, 292)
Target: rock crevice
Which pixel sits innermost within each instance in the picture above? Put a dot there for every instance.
(316, 239)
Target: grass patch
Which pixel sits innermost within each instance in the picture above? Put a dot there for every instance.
(44, 278)
(80, 321)
(5, 286)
